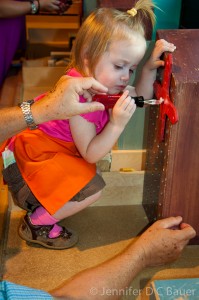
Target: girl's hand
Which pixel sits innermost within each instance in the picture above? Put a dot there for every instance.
(144, 86)
(122, 110)
(161, 46)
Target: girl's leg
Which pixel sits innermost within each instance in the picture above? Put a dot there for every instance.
(73, 207)
(88, 195)
(41, 228)
(51, 236)
(41, 216)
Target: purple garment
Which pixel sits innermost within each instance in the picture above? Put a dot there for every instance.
(12, 37)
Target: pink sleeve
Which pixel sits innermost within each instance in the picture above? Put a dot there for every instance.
(99, 118)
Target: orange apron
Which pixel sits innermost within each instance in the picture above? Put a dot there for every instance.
(53, 169)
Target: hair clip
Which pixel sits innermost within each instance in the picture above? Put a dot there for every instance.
(132, 12)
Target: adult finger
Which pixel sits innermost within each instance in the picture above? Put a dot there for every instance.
(168, 222)
(92, 84)
(87, 95)
(188, 231)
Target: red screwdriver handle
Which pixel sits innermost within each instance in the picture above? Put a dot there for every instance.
(109, 100)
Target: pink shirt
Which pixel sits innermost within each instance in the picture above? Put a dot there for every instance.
(61, 129)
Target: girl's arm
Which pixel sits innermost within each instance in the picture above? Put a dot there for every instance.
(144, 86)
(94, 147)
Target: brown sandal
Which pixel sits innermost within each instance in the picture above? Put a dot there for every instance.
(39, 234)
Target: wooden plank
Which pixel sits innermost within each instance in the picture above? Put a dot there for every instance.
(128, 159)
(54, 30)
(75, 8)
(37, 73)
(52, 22)
(172, 171)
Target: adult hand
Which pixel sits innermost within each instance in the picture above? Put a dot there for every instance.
(49, 5)
(59, 6)
(64, 5)
(63, 101)
(163, 243)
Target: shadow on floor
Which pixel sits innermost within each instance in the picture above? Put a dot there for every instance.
(103, 233)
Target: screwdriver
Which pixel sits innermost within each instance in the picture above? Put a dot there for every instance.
(109, 100)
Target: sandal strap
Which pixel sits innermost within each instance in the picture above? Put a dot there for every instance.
(37, 230)
(44, 230)
(65, 233)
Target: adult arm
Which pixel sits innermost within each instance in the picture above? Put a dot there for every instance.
(60, 103)
(157, 246)
(11, 8)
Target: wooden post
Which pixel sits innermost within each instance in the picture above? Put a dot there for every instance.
(171, 185)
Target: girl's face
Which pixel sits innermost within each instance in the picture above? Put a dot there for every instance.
(117, 64)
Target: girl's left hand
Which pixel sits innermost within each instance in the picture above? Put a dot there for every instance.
(122, 110)
(161, 46)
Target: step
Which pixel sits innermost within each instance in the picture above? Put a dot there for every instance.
(122, 189)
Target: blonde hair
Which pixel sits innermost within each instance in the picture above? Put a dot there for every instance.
(102, 27)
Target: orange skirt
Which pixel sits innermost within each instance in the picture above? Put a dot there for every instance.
(53, 169)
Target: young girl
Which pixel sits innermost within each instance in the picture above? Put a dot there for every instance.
(57, 160)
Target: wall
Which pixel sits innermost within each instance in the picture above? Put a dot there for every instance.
(190, 13)
(89, 6)
(168, 14)
(135, 133)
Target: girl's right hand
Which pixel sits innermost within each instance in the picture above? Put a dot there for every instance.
(123, 110)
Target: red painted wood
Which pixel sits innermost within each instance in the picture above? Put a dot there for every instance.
(161, 90)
